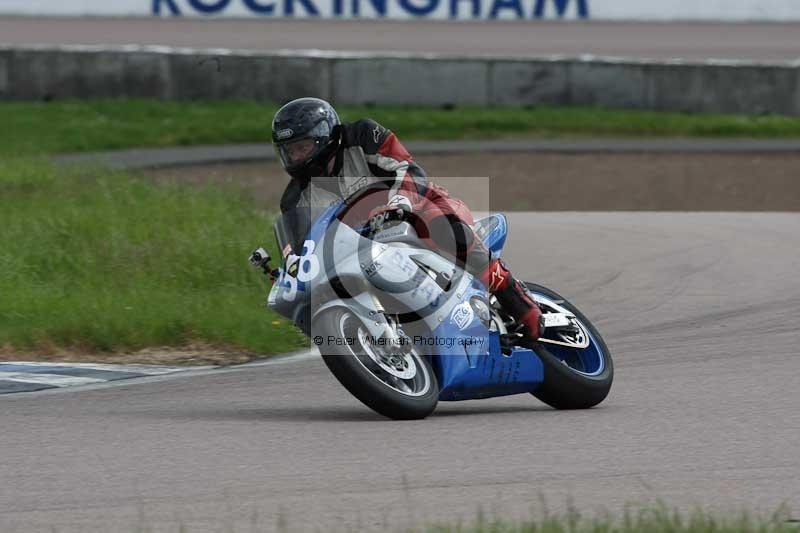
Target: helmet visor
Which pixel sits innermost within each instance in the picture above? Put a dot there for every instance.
(296, 152)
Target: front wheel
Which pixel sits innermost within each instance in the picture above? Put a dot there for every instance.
(402, 387)
(573, 378)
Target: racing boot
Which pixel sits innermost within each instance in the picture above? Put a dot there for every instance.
(514, 297)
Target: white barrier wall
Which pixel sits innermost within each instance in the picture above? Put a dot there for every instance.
(64, 72)
(655, 10)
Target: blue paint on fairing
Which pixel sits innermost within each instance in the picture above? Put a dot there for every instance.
(496, 238)
(470, 364)
(489, 375)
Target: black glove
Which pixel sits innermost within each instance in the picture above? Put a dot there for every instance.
(381, 215)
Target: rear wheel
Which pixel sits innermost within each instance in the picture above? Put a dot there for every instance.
(402, 387)
(573, 378)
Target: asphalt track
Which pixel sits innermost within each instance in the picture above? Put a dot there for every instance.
(695, 41)
(699, 309)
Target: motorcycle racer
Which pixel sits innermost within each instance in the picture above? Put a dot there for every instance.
(312, 142)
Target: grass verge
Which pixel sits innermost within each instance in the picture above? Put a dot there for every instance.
(72, 126)
(657, 518)
(98, 262)
(93, 262)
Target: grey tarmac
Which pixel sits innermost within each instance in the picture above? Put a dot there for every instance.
(694, 41)
(699, 310)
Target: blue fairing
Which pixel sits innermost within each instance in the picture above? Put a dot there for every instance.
(466, 356)
(493, 230)
(317, 231)
(469, 363)
(324, 221)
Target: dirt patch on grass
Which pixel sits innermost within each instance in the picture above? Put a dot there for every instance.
(570, 182)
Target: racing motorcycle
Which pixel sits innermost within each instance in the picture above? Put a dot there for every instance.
(403, 327)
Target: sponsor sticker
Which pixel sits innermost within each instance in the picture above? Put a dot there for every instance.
(463, 315)
(372, 269)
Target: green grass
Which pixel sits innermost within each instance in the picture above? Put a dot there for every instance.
(657, 518)
(106, 262)
(70, 126)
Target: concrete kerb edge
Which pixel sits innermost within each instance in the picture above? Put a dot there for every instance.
(270, 360)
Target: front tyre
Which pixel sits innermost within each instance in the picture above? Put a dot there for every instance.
(402, 387)
(573, 379)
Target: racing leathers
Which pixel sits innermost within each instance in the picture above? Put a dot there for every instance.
(369, 154)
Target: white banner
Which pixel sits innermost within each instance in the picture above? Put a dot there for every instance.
(655, 10)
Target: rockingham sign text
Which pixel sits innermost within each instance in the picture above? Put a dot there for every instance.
(393, 9)
(711, 10)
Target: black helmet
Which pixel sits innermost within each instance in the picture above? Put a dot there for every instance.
(305, 133)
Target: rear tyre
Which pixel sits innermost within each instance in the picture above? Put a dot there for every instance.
(405, 389)
(566, 385)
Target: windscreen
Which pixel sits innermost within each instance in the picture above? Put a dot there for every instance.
(293, 225)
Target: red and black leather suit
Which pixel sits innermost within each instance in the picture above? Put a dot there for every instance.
(442, 221)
